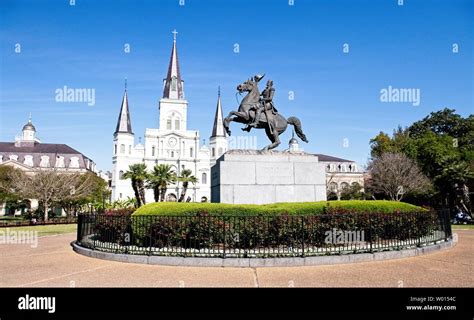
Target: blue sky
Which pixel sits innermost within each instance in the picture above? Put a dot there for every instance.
(300, 47)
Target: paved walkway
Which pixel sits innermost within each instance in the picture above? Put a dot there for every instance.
(54, 264)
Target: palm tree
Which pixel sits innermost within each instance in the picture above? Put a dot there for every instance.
(137, 174)
(186, 177)
(161, 176)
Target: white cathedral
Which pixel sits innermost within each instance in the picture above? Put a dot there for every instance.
(172, 143)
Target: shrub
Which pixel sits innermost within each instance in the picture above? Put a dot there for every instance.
(290, 208)
(288, 231)
(280, 225)
(114, 226)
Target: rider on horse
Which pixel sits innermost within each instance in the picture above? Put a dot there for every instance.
(265, 104)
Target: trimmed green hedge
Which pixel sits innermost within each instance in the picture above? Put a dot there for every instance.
(300, 208)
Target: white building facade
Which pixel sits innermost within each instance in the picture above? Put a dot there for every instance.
(171, 143)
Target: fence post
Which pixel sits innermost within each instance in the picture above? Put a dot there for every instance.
(447, 224)
(302, 233)
(418, 214)
(370, 232)
(79, 228)
(223, 224)
(151, 230)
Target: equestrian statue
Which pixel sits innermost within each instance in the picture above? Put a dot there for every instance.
(258, 111)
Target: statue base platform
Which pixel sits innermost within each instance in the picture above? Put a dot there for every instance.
(260, 177)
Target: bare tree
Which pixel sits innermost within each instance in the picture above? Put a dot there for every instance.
(50, 187)
(395, 175)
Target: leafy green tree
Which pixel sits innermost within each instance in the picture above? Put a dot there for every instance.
(443, 146)
(353, 192)
(186, 177)
(7, 190)
(159, 179)
(138, 175)
(97, 196)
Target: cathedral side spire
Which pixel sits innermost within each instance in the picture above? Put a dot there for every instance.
(124, 124)
(218, 128)
(173, 85)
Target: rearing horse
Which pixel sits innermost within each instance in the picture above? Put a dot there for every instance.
(246, 113)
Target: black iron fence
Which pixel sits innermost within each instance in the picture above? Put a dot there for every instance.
(261, 236)
(31, 222)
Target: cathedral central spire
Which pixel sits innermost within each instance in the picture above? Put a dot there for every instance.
(173, 85)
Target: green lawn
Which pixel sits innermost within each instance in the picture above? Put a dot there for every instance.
(49, 229)
(462, 226)
(11, 218)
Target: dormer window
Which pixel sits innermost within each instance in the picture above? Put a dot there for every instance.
(28, 160)
(44, 161)
(74, 162)
(59, 162)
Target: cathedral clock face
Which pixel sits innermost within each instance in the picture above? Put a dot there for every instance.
(172, 142)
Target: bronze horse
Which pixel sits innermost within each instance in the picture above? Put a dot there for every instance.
(246, 113)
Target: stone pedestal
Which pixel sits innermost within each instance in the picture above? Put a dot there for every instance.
(255, 177)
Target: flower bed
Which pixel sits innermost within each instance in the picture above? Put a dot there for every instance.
(334, 229)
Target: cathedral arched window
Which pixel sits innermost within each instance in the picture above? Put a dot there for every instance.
(191, 152)
(120, 174)
(153, 151)
(204, 178)
(130, 149)
(174, 84)
(344, 185)
(168, 124)
(122, 148)
(333, 186)
(220, 152)
(172, 154)
(176, 124)
(213, 152)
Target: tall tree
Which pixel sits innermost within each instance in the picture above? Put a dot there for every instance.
(442, 144)
(52, 187)
(186, 177)
(98, 195)
(137, 174)
(395, 175)
(7, 191)
(159, 179)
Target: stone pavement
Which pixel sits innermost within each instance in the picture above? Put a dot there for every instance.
(53, 263)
